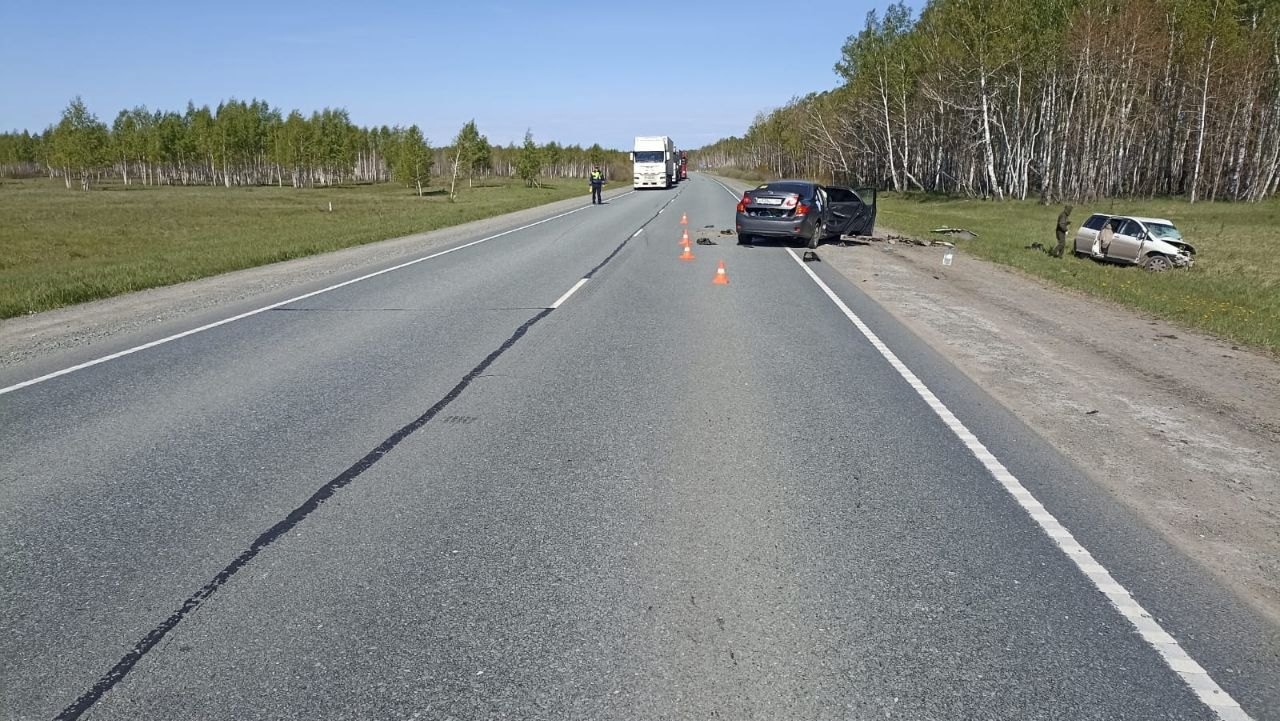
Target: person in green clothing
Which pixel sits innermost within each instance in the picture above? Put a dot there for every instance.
(1064, 224)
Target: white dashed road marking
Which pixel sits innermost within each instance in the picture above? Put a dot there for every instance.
(569, 292)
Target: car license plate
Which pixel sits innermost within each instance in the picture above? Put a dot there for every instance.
(768, 201)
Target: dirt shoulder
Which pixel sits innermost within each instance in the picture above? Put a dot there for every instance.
(1182, 428)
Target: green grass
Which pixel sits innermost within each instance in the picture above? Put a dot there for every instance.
(59, 247)
(743, 174)
(1233, 292)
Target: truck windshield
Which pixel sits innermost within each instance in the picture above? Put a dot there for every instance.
(649, 156)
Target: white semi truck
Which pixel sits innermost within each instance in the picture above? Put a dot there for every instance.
(654, 158)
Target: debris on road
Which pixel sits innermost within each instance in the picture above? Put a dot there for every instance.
(703, 240)
(958, 232)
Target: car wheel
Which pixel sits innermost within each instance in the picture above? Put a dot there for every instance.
(1156, 263)
(744, 239)
(815, 238)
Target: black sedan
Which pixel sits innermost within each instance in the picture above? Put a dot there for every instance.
(804, 211)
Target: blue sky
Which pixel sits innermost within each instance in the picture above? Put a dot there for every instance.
(573, 71)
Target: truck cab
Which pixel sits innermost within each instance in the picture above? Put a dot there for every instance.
(653, 159)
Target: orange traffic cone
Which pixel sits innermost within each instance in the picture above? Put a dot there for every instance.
(722, 278)
(684, 219)
(688, 252)
(684, 238)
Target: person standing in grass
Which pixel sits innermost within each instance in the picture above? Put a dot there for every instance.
(597, 184)
(1103, 244)
(1064, 224)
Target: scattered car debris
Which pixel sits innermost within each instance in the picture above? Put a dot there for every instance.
(702, 240)
(726, 231)
(810, 257)
(1089, 413)
(958, 232)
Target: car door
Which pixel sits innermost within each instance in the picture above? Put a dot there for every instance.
(1126, 242)
(847, 211)
(1088, 233)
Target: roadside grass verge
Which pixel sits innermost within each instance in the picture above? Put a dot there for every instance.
(1233, 292)
(745, 175)
(60, 247)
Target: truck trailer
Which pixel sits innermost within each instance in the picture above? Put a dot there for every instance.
(654, 158)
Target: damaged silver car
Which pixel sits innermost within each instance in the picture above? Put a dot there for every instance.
(1153, 243)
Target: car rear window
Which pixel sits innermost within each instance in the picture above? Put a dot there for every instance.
(1095, 222)
(799, 188)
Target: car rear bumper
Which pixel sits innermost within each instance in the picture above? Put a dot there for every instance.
(776, 227)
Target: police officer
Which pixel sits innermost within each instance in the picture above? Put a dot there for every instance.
(1064, 224)
(597, 184)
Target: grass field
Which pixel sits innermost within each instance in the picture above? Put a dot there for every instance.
(1233, 291)
(59, 247)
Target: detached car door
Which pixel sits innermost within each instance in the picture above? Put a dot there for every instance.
(848, 212)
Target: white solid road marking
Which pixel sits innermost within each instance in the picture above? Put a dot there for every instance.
(273, 306)
(568, 293)
(1192, 673)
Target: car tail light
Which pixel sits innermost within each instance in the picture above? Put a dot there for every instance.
(742, 204)
(790, 202)
(801, 209)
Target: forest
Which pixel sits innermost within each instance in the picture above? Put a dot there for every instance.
(1044, 99)
(241, 143)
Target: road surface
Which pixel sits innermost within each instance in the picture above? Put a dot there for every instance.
(557, 473)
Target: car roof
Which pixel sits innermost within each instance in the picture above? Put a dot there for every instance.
(1139, 218)
(785, 182)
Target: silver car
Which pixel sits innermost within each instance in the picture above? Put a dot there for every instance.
(1153, 243)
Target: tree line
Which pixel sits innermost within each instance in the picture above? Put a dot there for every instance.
(1041, 98)
(251, 143)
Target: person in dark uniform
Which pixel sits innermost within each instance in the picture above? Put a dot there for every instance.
(597, 184)
(1064, 224)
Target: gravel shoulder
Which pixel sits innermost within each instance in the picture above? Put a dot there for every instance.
(1180, 427)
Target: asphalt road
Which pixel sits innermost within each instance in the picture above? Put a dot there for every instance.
(428, 494)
